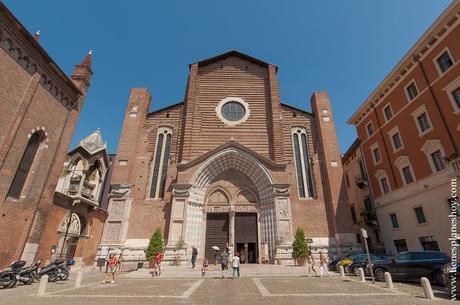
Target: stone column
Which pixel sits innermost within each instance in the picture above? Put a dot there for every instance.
(231, 227)
(284, 230)
(180, 195)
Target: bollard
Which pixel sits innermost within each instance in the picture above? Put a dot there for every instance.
(79, 278)
(362, 277)
(388, 280)
(427, 288)
(43, 283)
(342, 271)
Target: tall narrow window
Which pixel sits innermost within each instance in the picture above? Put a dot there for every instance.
(411, 91)
(24, 166)
(302, 163)
(160, 163)
(456, 97)
(444, 61)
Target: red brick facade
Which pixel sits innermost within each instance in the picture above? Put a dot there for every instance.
(204, 144)
(37, 97)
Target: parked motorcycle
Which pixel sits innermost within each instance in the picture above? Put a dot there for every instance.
(64, 269)
(26, 275)
(8, 276)
(52, 270)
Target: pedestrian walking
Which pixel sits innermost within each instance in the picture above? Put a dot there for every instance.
(157, 266)
(205, 266)
(322, 264)
(112, 263)
(223, 261)
(194, 255)
(236, 265)
(311, 263)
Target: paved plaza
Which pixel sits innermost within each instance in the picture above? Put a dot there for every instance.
(254, 287)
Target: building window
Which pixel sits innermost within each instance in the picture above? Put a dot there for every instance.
(302, 163)
(161, 162)
(444, 61)
(394, 221)
(411, 91)
(429, 243)
(376, 155)
(456, 97)
(25, 165)
(400, 245)
(387, 112)
(438, 162)
(370, 129)
(396, 139)
(420, 215)
(353, 215)
(347, 180)
(408, 178)
(361, 169)
(233, 111)
(423, 122)
(384, 185)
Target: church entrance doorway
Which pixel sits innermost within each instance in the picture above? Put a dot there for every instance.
(246, 237)
(216, 234)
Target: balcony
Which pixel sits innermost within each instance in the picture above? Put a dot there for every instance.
(370, 217)
(74, 185)
(360, 181)
(454, 162)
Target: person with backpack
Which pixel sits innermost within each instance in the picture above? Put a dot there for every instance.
(223, 262)
(112, 263)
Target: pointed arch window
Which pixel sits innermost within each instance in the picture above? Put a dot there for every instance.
(161, 162)
(302, 163)
(25, 165)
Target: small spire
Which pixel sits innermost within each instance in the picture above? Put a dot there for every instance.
(37, 35)
(87, 60)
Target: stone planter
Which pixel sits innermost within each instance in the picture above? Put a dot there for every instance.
(302, 262)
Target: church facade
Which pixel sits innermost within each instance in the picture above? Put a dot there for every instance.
(231, 164)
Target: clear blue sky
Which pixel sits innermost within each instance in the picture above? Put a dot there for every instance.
(344, 47)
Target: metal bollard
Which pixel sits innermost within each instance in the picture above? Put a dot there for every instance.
(427, 288)
(388, 280)
(362, 277)
(342, 271)
(79, 278)
(43, 283)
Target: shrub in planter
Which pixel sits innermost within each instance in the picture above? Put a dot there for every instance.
(155, 245)
(300, 247)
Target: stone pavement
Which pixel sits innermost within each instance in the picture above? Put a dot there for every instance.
(255, 287)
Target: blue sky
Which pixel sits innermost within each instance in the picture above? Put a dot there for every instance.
(344, 47)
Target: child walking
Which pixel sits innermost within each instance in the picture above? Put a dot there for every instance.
(205, 266)
(236, 265)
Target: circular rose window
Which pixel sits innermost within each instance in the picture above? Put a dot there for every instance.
(233, 111)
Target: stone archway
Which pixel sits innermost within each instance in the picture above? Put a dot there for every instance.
(189, 212)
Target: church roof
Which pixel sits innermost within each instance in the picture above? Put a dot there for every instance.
(237, 53)
(93, 143)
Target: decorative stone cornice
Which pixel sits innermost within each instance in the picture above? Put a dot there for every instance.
(181, 190)
(25, 50)
(281, 189)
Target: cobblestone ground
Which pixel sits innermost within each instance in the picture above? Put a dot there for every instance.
(210, 289)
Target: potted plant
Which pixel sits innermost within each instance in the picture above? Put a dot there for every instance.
(180, 245)
(155, 246)
(300, 247)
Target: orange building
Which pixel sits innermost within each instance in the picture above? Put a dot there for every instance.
(409, 129)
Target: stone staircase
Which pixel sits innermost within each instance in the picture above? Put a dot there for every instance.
(246, 270)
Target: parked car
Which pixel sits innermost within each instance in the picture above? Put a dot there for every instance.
(361, 261)
(447, 273)
(331, 264)
(412, 265)
(347, 260)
